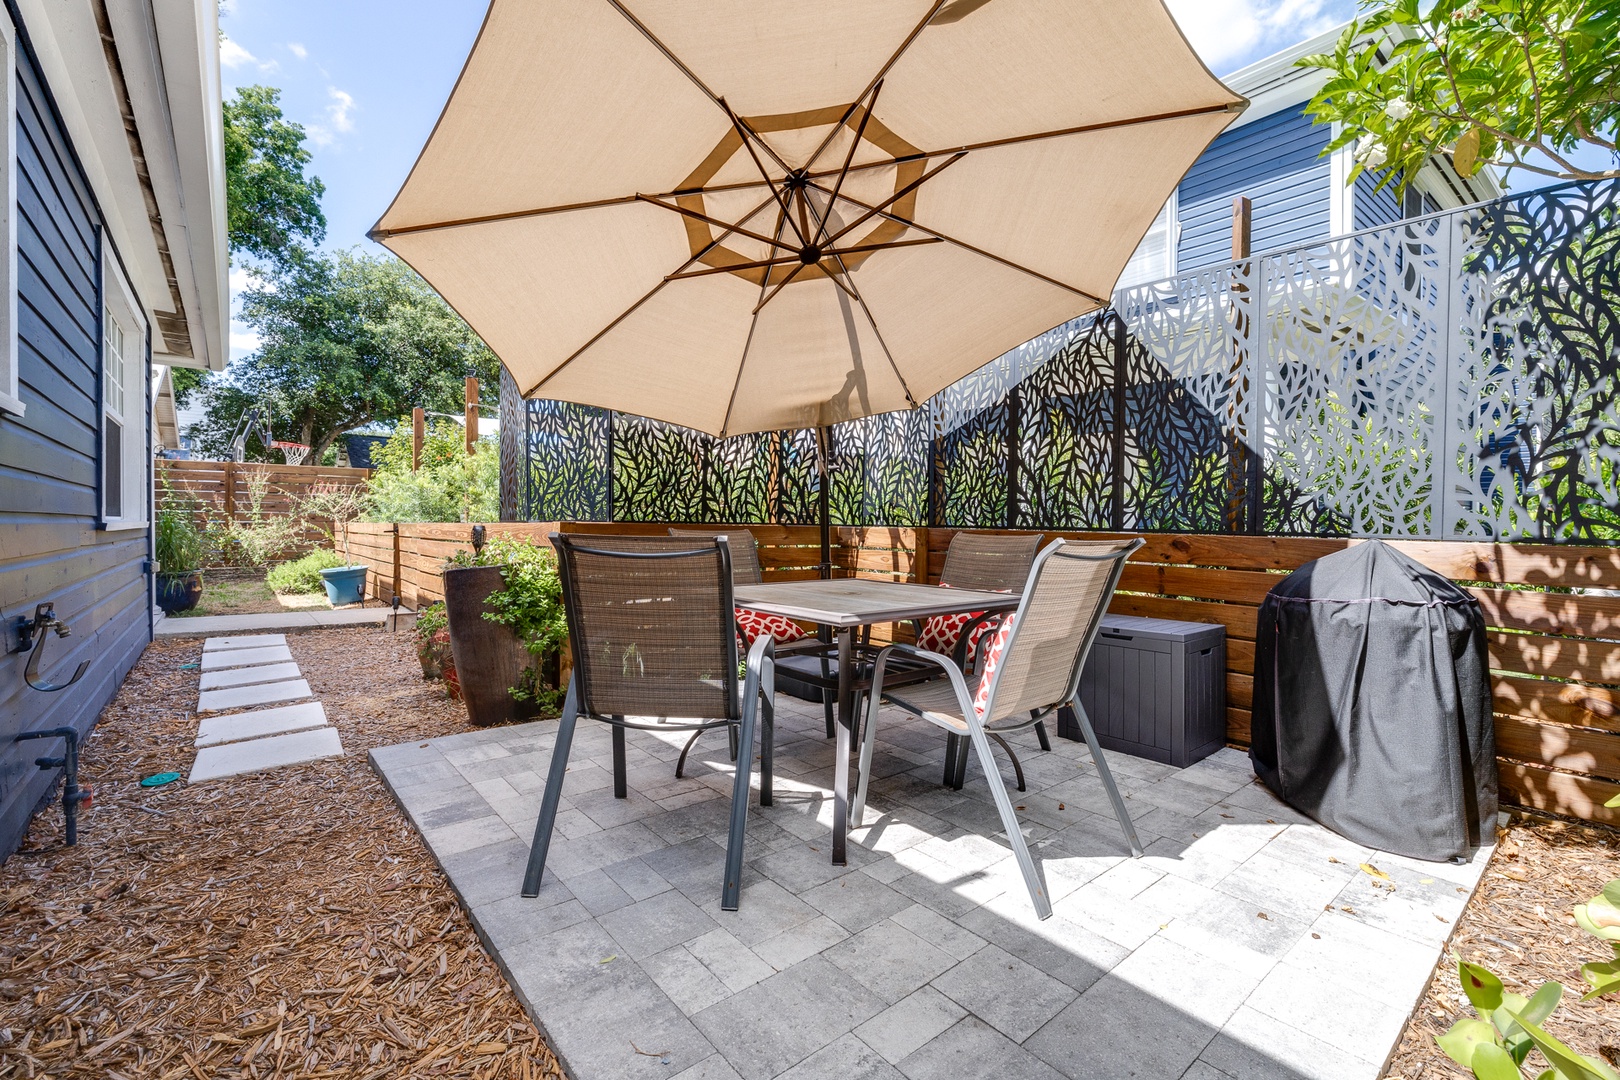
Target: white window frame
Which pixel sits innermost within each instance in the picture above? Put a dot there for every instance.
(1341, 195)
(1166, 223)
(118, 305)
(10, 391)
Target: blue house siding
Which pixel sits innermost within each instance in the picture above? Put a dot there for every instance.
(50, 546)
(1276, 162)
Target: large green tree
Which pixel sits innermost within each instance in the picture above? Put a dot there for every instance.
(1521, 84)
(345, 340)
(272, 207)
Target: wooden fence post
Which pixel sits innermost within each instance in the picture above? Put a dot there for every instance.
(471, 416)
(418, 432)
(394, 531)
(230, 491)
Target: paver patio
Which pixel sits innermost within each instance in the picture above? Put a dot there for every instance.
(1247, 943)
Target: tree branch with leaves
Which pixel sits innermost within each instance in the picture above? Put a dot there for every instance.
(1519, 84)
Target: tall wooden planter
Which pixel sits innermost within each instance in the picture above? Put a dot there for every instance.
(489, 658)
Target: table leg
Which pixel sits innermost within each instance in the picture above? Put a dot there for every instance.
(841, 750)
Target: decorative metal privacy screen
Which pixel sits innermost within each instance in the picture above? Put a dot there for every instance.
(1452, 376)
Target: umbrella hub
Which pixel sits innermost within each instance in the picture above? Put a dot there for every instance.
(810, 254)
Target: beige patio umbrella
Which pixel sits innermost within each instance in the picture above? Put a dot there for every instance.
(746, 215)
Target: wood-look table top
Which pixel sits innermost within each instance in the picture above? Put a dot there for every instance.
(850, 602)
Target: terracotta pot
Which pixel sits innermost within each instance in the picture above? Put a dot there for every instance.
(489, 659)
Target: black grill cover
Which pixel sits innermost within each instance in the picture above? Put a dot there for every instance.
(1372, 703)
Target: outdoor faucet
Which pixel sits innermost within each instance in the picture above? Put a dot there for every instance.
(32, 633)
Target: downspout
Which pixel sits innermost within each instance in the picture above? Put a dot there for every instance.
(151, 499)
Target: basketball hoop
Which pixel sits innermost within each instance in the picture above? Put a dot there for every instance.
(294, 452)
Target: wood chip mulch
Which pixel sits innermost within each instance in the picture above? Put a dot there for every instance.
(285, 924)
(1519, 926)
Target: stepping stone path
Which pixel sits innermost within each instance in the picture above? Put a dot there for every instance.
(240, 673)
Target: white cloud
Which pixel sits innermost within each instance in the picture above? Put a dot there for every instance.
(297, 50)
(1231, 33)
(338, 111)
(233, 55)
(242, 341)
(338, 119)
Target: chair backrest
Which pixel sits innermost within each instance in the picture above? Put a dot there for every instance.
(1069, 589)
(745, 568)
(987, 561)
(651, 624)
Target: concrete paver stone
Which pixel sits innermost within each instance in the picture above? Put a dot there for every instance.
(257, 755)
(243, 641)
(238, 727)
(247, 676)
(242, 697)
(235, 658)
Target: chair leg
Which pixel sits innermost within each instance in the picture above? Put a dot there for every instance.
(953, 746)
(767, 735)
(621, 787)
(1009, 821)
(962, 755)
(1041, 737)
(680, 762)
(1107, 779)
(868, 736)
(731, 741)
(548, 802)
(1018, 769)
(827, 696)
(731, 892)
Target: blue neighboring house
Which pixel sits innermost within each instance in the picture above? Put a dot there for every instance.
(113, 268)
(1273, 155)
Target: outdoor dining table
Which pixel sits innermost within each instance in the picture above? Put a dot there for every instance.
(843, 606)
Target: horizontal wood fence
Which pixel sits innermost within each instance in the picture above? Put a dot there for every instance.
(223, 489)
(1553, 613)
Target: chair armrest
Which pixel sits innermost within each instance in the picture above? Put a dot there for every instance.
(964, 696)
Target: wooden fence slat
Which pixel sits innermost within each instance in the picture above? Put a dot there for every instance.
(1562, 658)
(1559, 792)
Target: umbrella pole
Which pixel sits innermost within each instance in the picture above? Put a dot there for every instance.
(823, 510)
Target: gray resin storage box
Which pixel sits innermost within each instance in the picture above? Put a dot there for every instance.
(1155, 689)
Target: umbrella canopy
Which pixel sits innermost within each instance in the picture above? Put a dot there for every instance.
(746, 215)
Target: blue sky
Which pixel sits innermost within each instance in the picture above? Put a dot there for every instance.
(367, 79)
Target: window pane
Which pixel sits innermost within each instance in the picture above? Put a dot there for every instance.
(112, 465)
(112, 363)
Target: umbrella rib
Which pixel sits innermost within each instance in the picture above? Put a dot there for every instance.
(855, 293)
(894, 198)
(829, 254)
(916, 31)
(737, 228)
(669, 54)
(849, 158)
(753, 324)
(749, 137)
(627, 312)
(384, 234)
(964, 245)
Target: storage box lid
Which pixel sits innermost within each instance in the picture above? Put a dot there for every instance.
(1194, 634)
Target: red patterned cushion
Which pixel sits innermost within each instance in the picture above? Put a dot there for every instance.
(752, 625)
(940, 633)
(992, 660)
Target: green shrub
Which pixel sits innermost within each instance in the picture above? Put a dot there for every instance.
(303, 575)
(451, 485)
(180, 546)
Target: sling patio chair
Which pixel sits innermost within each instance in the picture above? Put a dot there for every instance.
(992, 563)
(653, 635)
(788, 635)
(1030, 670)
